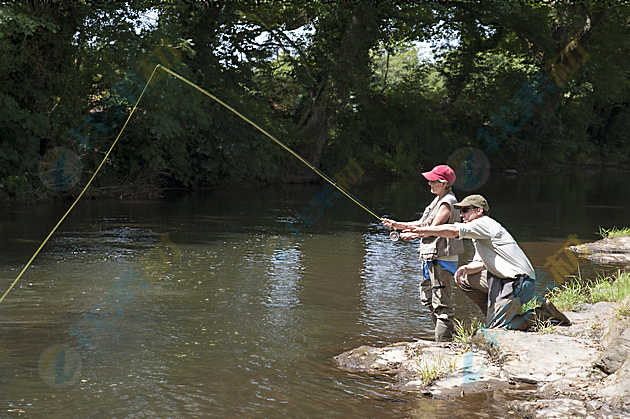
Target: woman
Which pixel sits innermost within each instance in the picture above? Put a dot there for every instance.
(438, 254)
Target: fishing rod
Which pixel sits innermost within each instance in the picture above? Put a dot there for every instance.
(394, 235)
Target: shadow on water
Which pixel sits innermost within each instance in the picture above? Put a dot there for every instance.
(246, 320)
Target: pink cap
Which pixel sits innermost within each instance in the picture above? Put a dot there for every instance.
(440, 172)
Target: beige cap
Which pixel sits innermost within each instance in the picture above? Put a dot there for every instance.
(473, 201)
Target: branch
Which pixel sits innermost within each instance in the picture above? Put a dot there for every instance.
(309, 111)
(585, 33)
(281, 34)
(386, 71)
(277, 92)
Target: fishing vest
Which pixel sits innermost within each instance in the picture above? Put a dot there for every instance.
(436, 247)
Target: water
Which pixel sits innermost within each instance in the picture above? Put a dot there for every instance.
(245, 317)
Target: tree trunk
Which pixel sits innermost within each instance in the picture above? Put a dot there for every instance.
(349, 77)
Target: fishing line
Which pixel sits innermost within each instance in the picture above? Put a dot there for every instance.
(303, 160)
(82, 192)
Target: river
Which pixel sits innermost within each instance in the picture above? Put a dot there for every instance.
(245, 314)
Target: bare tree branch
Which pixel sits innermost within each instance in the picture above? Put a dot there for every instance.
(280, 34)
(386, 71)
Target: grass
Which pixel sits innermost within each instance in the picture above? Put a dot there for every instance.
(430, 370)
(464, 334)
(623, 308)
(544, 326)
(530, 305)
(611, 289)
(614, 232)
(569, 295)
(614, 288)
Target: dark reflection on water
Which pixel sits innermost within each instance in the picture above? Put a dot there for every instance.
(249, 317)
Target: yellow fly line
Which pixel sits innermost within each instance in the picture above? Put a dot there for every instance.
(303, 160)
(82, 192)
(315, 169)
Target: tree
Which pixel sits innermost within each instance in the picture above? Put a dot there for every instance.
(333, 80)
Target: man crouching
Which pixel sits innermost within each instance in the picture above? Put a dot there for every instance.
(499, 271)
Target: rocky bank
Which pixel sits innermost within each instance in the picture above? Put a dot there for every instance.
(581, 370)
(606, 251)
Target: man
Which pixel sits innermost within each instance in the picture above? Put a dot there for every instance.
(504, 272)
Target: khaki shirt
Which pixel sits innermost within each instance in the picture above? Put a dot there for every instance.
(496, 248)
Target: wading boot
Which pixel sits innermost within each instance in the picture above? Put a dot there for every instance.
(443, 332)
(547, 311)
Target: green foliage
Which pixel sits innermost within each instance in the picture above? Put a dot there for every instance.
(530, 305)
(22, 118)
(20, 131)
(544, 326)
(614, 232)
(193, 138)
(14, 186)
(393, 66)
(623, 308)
(333, 80)
(430, 369)
(569, 296)
(614, 288)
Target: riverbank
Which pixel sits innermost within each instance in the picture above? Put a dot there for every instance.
(609, 250)
(155, 185)
(581, 370)
(578, 371)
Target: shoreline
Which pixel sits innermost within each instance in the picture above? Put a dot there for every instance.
(143, 191)
(580, 370)
(609, 250)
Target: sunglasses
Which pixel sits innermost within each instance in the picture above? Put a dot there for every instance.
(465, 210)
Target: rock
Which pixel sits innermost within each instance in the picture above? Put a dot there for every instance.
(553, 408)
(614, 250)
(562, 364)
(545, 358)
(617, 385)
(415, 365)
(617, 344)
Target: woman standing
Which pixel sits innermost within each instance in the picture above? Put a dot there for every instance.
(438, 254)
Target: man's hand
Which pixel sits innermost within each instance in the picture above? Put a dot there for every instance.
(470, 269)
(408, 235)
(461, 272)
(419, 231)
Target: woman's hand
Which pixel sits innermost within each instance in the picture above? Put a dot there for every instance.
(391, 224)
(388, 223)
